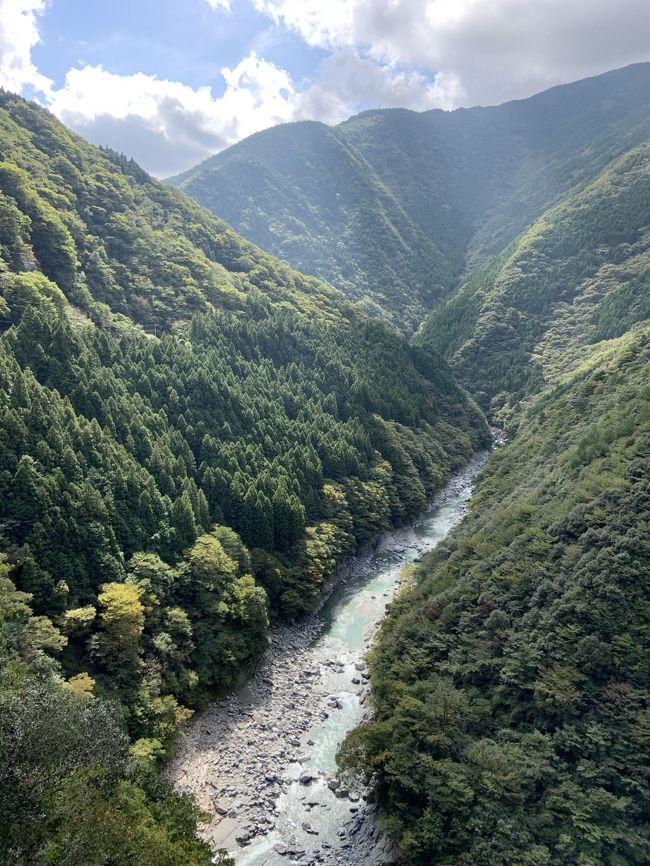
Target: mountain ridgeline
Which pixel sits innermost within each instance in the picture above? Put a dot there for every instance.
(396, 208)
(193, 438)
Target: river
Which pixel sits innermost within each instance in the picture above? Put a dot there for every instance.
(262, 763)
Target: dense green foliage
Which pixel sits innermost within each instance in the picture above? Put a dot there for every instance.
(512, 680)
(304, 193)
(71, 791)
(393, 206)
(577, 275)
(511, 683)
(192, 437)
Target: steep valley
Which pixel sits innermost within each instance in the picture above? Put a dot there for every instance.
(199, 443)
(510, 683)
(262, 763)
(398, 208)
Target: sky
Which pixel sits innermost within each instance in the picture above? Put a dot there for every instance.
(171, 82)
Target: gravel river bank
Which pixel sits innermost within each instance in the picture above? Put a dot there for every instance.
(262, 762)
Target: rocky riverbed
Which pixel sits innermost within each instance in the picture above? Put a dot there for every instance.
(261, 762)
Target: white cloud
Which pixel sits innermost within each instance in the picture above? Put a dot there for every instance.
(166, 125)
(492, 49)
(219, 4)
(350, 80)
(18, 35)
(326, 24)
(169, 126)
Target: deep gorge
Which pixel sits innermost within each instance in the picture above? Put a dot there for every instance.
(195, 439)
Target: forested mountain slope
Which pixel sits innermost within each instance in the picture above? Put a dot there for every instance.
(511, 682)
(577, 275)
(191, 435)
(394, 206)
(304, 193)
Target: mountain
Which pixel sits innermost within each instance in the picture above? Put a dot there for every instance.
(394, 207)
(510, 682)
(192, 437)
(302, 191)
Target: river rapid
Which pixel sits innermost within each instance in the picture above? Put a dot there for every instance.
(262, 763)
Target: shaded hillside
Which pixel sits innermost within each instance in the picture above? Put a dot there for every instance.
(578, 274)
(393, 206)
(304, 193)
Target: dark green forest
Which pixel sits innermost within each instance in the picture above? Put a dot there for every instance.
(193, 438)
(510, 681)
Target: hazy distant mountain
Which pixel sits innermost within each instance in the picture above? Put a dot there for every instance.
(393, 206)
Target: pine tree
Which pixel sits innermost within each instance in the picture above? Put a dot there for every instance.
(183, 521)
